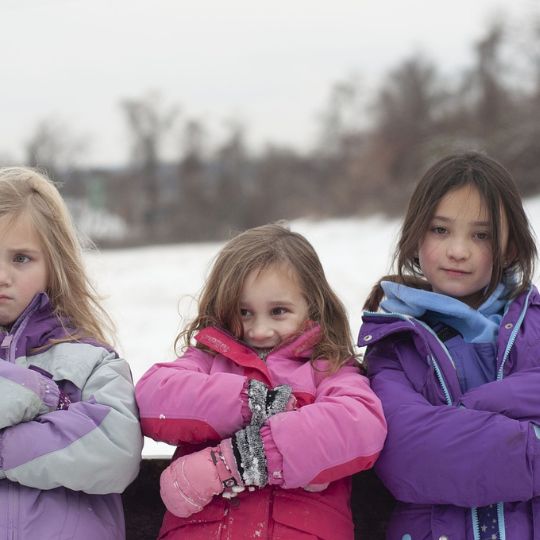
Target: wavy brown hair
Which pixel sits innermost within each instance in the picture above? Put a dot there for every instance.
(72, 296)
(258, 249)
(500, 194)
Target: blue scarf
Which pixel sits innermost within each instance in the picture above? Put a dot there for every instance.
(475, 325)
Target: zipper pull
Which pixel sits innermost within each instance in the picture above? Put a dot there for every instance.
(6, 342)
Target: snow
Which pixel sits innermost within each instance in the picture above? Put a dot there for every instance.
(151, 292)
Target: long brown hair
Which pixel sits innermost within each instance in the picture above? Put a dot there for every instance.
(499, 193)
(73, 298)
(260, 248)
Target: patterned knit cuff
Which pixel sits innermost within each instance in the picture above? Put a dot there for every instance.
(257, 393)
(248, 447)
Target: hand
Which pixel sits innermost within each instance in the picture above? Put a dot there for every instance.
(190, 482)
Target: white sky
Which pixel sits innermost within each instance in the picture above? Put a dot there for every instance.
(270, 63)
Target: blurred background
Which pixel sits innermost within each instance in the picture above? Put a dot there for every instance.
(171, 121)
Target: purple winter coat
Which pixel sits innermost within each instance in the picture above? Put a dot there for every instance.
(62, 471)
(448, 453)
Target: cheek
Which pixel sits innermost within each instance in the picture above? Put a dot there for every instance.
(486, 257)
(426, 252)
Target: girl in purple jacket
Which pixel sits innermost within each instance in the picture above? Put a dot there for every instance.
(268, 408)
(70, 440)
(453, 353)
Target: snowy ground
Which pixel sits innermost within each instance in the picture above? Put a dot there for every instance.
(150, 292)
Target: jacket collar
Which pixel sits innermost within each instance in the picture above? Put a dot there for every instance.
(35, 327)
(222, 342)
(378, 326)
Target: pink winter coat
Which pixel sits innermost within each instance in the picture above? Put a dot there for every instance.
(337, 430)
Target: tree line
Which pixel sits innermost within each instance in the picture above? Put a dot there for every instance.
(370, 151)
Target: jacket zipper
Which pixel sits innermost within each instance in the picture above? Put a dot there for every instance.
(431, 358)
(500, 376)
(475, 524)
(441, 380)
(8, 343)
(513, 336)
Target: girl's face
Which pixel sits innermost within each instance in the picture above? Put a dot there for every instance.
(272, 306)
(455, 253)
(23, 267)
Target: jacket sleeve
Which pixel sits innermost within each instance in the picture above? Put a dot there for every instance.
(94, 446)
(182, 402)
(441, 454)
(339, 434)
(516, 396)
(24, 394)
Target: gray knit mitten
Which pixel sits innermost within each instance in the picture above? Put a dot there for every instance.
(264, 402)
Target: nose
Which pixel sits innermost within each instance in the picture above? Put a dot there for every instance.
(5, 275)
(259, 331)
(458, 249)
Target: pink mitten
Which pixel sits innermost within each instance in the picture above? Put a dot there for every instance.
(189, 483)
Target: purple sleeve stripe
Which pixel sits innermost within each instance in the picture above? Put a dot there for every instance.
(25, 377)
(50, 433)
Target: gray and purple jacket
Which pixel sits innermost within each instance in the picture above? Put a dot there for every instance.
(62, 469)
(448, 452)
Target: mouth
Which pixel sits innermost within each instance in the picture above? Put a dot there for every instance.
(260, 346)
(455, 272)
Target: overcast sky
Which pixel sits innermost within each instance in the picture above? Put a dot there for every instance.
(270, 63)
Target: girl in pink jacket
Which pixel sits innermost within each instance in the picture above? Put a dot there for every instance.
(268, 409)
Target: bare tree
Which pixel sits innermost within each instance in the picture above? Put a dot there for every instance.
(193, 210)
(149, 121)
(492, 98)
(53, 147)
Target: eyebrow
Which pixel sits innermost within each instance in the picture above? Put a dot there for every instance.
(23, 249)
(273, 303)
(449, 220)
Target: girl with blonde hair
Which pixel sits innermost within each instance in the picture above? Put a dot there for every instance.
(69, 440)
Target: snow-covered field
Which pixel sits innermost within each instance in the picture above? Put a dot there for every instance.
(151, 292)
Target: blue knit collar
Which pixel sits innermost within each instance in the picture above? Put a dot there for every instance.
(475, 325)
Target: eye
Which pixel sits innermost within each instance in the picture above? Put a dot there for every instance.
(244, 313)
(21, 258)
(438, 229)
(483, 235)
(278, 311)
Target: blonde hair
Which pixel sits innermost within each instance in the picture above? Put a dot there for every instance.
(72, 296)
(260, 248)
